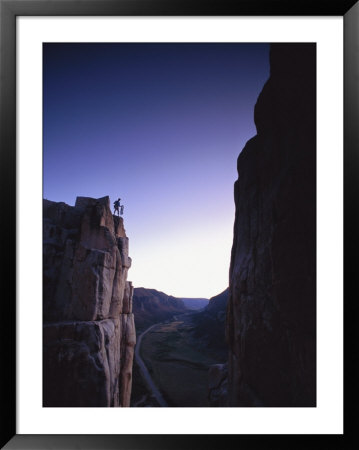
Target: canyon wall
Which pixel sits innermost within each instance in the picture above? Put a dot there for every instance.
(89, 332)
(151, 306)
(271, 314)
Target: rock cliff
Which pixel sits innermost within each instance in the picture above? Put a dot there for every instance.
(89, 332)
(271, 314)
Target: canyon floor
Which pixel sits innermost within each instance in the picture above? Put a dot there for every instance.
(177, 364)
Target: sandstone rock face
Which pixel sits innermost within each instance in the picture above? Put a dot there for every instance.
(218, 385)
(271, 314)
(89, 332)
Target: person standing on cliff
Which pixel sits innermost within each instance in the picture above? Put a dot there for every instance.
(116, 205)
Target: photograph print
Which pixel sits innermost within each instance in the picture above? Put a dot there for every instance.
(179, 225)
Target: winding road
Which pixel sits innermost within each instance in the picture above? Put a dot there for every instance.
(145, 373)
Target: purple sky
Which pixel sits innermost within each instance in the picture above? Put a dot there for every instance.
(161, 126)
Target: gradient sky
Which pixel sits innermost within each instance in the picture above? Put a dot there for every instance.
(161, 126)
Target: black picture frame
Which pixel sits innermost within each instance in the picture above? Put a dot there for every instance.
(9, 10)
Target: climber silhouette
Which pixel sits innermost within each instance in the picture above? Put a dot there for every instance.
(116, 205)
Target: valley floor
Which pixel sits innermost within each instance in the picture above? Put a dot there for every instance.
(176, 365)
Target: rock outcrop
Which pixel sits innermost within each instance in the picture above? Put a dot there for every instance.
(271, 315)
(217, 385)
(89, 332)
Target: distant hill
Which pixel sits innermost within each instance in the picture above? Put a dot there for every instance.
(195, 303)
(217, 305)
(151, 306)
(210, 324)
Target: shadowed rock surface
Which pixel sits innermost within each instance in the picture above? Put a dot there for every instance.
(218, 385)
(89, 332)
(271, 315)
(210, 325)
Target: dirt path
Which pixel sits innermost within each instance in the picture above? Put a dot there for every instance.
(145, 373)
